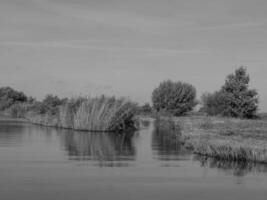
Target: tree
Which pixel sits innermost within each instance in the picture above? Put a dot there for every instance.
(213, 104)
(53, 101)
(50, 104)
(145, 109)
(234, 99)
(240, 101)
(174, 97)
(9, 96)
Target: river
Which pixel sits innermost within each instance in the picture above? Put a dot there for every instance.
(47, 163)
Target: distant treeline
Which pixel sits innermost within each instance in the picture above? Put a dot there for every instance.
(233, 99)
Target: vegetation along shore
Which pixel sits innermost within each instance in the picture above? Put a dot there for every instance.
(227, 126)
(82, 113)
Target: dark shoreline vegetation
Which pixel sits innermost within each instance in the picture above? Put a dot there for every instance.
(102, 114)
(227, 126)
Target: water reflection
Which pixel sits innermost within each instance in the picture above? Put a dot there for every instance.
(108, 149)
(157, 143)
(11, 132)
(145, 123)
(238, 169)
(166, 141)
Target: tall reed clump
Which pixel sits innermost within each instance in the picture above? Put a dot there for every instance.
(98, 114)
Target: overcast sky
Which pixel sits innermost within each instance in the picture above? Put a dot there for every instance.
(126, 47)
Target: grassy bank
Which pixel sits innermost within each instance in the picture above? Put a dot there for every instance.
(226, 138)
(86, 114)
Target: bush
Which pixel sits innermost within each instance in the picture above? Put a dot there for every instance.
(51, 104)
(53, 101)
(9, 96)
(213, 104)
(19, 110)
(174, 97)
(145, 109)
(234, 99)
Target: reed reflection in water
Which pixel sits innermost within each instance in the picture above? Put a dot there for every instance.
(234, 168)
(107, 149)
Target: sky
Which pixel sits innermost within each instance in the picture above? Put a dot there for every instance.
(127, 47)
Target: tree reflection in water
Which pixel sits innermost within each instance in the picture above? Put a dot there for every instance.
(12, 133)
(145, 123)
(166, 141)
(108, 149)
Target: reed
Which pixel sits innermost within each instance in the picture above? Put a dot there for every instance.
(92, 114)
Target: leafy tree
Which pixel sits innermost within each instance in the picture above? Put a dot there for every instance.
(213, 104)
(53, 100)
(235, 99)
(9, 96)
(51, 104)
(174, 97)
(146, 108)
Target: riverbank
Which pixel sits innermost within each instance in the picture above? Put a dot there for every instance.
(102, 114)
(4, 117)
(225, 138)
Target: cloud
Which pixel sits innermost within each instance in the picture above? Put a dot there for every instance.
(100, 47)
(232, 26)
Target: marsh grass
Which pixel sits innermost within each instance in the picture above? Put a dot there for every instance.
(227, 138)
(91, 114)
(229, 150)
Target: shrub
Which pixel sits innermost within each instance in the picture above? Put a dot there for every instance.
(174, 97)
(51, 104)
(234, 99)
(53, 100)
(213, 104)
(19, 110)
(145, 109)
(9, 96)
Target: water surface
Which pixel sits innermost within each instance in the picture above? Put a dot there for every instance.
(47, 163)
